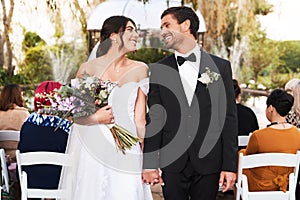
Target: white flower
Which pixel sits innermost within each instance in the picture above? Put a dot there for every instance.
(75, 83)
(204, 78)
(88, 82)
(208, 76)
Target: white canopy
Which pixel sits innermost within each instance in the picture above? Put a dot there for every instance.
(146, 16)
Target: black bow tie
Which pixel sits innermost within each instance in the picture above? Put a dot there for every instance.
(181, 60)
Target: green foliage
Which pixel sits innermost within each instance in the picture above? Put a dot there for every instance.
(30, 40)
(17, 79)
(261, 53)
(262, 7)
(149, 55)
(268, 60)
(36, 66)
(3, 77)
(245, 74)
(290, 51)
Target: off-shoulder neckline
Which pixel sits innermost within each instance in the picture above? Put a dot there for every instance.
(133, 82)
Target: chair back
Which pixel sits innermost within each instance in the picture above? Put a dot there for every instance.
(9, 135)
(262, 160)
(9, 140)
(243, 140)
(4, 173)
(36, 158)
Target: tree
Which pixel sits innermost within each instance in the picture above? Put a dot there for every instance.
(290, 51)
(1, 52)
(31, 40)
(36, 61)
(79, 10)
(5, 39)
(261, 53)
(229, 24)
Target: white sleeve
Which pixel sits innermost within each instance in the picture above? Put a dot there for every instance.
(144, 85)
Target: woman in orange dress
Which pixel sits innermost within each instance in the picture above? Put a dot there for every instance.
(278, 137)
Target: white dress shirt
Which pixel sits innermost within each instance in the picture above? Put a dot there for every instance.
(188, 72)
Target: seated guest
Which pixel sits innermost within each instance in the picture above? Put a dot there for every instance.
(12, 115)
(39, 133)
(293, 86)
(12, 108)
(247, 121)
(293, 117)
(278, 137)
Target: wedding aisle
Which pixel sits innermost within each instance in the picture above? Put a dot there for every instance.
(157, 194)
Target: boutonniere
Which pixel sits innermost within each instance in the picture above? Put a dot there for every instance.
(208, 77)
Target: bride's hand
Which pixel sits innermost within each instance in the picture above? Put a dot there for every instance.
(104, 115)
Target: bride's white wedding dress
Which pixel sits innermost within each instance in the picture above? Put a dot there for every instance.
(99, 170)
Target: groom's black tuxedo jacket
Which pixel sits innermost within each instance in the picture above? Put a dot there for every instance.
(204, 132)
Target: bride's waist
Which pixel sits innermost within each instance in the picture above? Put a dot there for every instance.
(125, 124)
(123, 115)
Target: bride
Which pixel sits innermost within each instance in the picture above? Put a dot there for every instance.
(100, 171)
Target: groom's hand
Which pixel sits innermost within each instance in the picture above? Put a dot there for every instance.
(152, 177)
(227, 180)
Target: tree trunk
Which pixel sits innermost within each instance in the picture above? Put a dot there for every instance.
(8, 47)
(1, 52)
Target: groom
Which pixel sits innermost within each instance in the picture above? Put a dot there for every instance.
(192, 128)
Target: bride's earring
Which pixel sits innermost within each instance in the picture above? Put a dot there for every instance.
(114, 40)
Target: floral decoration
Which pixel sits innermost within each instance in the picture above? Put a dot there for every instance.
(86, 95)
(208, 77)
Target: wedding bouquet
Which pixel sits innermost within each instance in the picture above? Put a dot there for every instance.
(83, 98)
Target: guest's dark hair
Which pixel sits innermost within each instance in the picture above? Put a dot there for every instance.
(114, 24)
(182, 13)
(281, 101)
(11, 95)
(236, 87)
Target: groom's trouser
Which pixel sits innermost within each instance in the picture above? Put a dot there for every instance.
(190, 185)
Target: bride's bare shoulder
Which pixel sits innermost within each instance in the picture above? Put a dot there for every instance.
(91, 67)
(140, 68)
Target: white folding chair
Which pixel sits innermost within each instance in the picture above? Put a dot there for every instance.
(9, 135)
(4, 171)
(267, 159)
(243, 140)
(41, 157)
(9, 140)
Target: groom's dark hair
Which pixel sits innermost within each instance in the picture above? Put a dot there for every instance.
(182, 13)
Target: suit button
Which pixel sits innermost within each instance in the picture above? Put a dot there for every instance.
(189, 116)
(189, 137)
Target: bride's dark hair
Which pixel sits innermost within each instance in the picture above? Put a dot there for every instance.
(114, 24)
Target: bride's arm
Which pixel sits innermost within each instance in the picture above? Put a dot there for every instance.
(140, 114)
(102, 116)
(141, 105)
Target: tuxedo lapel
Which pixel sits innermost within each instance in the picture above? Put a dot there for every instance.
(215, 94)
(171, 62)
(205, 62)
(200, 87)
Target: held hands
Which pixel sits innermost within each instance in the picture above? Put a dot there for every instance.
(227, 180)
(152, 177)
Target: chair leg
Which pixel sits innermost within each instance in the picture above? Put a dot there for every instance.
(237, 194)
